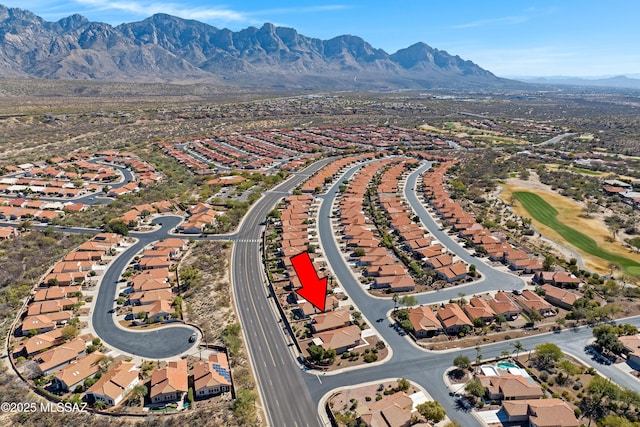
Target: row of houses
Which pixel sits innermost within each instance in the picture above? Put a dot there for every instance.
(37, 204)
(413, 237)
(10, 213)
(85, 261)
(196, 166)
(387, 272)
(462, 222)
(332, 329)
(452, 318)
(330, 171)
(208, 378)
(150, 292)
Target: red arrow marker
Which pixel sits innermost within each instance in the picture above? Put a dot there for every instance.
(314, 289)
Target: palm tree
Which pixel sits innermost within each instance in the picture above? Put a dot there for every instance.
(139, 392)
(518, 347)
(478, 356)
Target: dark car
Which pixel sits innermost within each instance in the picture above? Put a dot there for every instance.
(193, 337)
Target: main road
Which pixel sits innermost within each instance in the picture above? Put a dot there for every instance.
(283, 391)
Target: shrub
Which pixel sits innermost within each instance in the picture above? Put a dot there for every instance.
(370, 357)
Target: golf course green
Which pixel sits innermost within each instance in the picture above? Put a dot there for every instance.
(544, 213)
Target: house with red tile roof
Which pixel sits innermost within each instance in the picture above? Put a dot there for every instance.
(330, 320)
(114, 385)
(560, 279)
(62, 355)
(51, 306)
(394, 411)
(341, 339)
(41, 342)
(399, 283)
(425, 322)
(530, 301)
(8, 232)
(170, 383)
(478, 308)
(74, 374)
(552, 412)
(55, 292)
(453, 272)
(510, 387)
(44, 322)
(503, 304)
(453, 318)
(560, 297)
(212, 377)
(158, 310)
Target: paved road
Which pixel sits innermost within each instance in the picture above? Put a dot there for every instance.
(158, 343)
(408, 361)
(554, 140)
(492, 279)
(286, 398)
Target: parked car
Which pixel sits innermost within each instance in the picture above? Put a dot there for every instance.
(193, 337)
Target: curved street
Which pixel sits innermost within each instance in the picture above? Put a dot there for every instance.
(158, 343)
(292, 396)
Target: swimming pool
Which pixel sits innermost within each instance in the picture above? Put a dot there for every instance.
(505, 365)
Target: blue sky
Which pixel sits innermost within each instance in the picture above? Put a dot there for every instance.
(509, 38)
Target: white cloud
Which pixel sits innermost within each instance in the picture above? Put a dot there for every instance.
(508, 20)
(144, 8)
(297, 10)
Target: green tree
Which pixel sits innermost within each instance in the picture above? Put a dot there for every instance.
(547, 355)
(69, 332)
(408, 300)
(189, 277)
(403, 384)
(616, 421)
(599, 398)
(359, 252)
(462, 362)
(244, 407)
(548, 263)
(475, 388)
(432, 411)
(117, 226)
(607, 338)
(190, 398)
(634, 242)
(316, 353)
(139, 392)
(535, 316)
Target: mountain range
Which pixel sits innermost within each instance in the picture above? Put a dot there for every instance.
(623, 82)
(165, 48)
